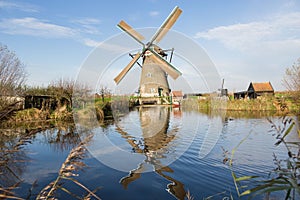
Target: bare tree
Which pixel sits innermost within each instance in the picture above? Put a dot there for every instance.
(104, 91)
(291, 79)
(12, 74)
(62, 89)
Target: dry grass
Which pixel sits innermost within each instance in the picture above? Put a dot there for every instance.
(10, 159)
(189, 196)
(66, 173)
(6, 193)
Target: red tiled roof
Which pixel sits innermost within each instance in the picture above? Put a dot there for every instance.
(263, 87)
(177, 94)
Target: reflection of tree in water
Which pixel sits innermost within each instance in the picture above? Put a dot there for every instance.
(13, 156)
(154, 144)
(62, 137)
(13, 142)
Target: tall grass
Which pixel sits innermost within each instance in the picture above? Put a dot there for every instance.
(67, 173)
(10, 156)
(263, 103)
(285, 176)
(12, 161)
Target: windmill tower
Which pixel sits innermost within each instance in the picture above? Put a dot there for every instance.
(154, 86)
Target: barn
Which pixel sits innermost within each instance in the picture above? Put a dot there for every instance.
(260, 89)
(255, 90)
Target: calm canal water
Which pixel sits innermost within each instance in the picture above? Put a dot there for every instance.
(150, 153)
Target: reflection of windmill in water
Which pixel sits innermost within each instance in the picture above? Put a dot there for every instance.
(155, 144)
(154, 86)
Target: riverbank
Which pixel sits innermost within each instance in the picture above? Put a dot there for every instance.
(268, 103)
(101, 109)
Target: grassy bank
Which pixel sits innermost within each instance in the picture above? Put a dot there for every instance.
(267, 103)
(102, 110)
(264, 104)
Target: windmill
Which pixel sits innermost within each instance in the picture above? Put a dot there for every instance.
(154, 86)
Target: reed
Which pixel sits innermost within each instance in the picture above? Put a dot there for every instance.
(189, 196)
(285, 176)
(264, 103)
(11, 157)
(67, 173)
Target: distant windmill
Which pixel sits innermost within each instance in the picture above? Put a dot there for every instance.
(154, 84)
(223, 91)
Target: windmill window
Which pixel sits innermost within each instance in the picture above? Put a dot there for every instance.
(149, 75)
(152, 90)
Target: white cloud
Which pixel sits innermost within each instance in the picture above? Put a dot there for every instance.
(154, 13)
(19, 6)
(91, 43)
(251, 35)
(288, 4)
(104, 45)
(41, 28)
(238, 35)
(34, 27)
(88, 21)
(88, 25)
(259, 50)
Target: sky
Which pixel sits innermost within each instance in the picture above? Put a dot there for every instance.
(248, 41)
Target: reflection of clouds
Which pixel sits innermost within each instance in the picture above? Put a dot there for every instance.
(255, 154)
(108, 150)
(39, 173)
(31, 160)
(211, 137)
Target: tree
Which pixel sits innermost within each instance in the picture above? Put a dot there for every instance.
(291, 79)
(12, 74)
(104, 91)
(62, 90)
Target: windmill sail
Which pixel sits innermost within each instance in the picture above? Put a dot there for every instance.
(133, 33)
(166, 26)
(165, 65)
(121, 75)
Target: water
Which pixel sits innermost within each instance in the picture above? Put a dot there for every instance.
(150, 153)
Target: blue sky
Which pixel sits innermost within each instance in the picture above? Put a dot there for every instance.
(248, 41)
